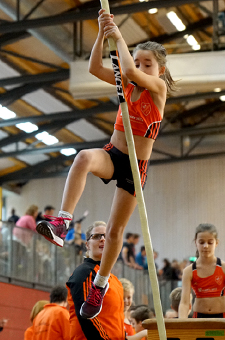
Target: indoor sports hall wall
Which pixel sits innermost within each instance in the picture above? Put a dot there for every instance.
(16, 305)
(178, 197)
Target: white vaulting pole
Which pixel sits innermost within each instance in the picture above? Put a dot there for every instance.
(137, 183)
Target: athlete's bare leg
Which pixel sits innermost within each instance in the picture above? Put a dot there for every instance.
(122, 208)
(96, 161)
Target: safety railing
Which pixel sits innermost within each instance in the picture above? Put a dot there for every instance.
(26, 257)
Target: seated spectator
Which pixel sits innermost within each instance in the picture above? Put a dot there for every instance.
(128, 292)
(53, 321)
(13, 218)
(28, 335)
(139, 314)
(48, 211)
(141, 258)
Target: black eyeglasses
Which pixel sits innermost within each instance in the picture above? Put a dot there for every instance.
(96, 237)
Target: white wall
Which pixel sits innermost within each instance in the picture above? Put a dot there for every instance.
(178, 197)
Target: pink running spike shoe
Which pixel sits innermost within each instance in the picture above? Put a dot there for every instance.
(93, 305)
(54, 230)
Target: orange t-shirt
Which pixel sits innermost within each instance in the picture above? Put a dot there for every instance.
(109, 323)
(128, 329)
(28, 335)
(52, 323)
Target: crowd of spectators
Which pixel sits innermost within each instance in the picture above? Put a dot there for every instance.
(133, 315)
(75, 239)
(170, 271)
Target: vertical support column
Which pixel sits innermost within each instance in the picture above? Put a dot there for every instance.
(18, 10)
(215, 42)
(77, 39)
(1, 203)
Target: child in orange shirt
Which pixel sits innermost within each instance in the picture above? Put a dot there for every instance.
(128, 292)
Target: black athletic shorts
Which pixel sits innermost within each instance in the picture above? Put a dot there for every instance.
(203, 315)
(122, 169)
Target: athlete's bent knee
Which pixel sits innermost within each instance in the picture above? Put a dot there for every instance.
(83, 160)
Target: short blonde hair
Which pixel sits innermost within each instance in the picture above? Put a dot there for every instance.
(175, 297)
(37, 308)
(127, 285)
(89, 231)
(94, 225)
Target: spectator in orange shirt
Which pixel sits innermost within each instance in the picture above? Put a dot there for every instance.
(28, 335)
(128, 292)
(109, 323)
(52, 323)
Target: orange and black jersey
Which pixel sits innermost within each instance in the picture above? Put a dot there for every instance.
(145, 117)
(109, 323)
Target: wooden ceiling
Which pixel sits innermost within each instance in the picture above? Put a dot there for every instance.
(38, 41)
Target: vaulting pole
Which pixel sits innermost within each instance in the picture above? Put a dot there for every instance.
(137, 182)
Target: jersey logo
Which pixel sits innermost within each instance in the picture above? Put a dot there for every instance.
(146, 108)
(219, 279)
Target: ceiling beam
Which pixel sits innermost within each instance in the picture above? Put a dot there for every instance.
(11, 96)
(33, 60)
(190, 131)
(201, 131)
(187, 158)
(195, 96)
(61, 116)
(46, 169)
(88, 14)
(55, 148)
(10, 38)
(46, 166)
(196, 26)
(24, 135)
(198, 110)
(36, 78)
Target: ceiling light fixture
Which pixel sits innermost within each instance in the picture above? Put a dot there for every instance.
(27, 127)
(192, 42)
(176, 21)
(153, 10)
(68, 151)
(46, 138)
(6, 113)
